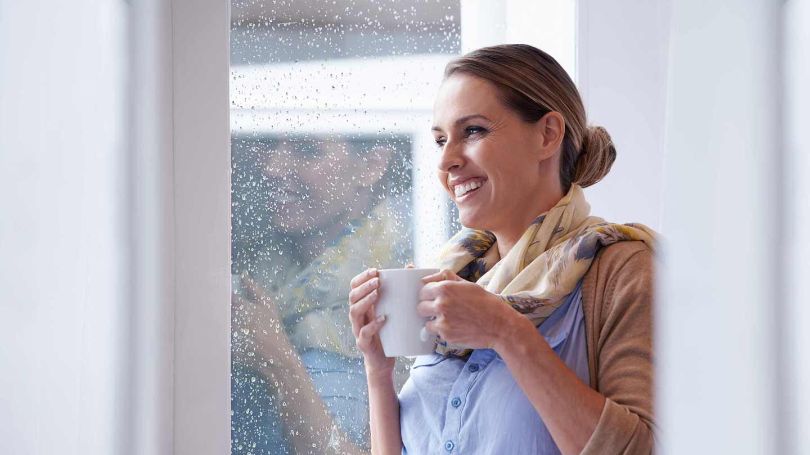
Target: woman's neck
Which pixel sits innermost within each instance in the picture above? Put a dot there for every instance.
(513, 230)
(507, 240)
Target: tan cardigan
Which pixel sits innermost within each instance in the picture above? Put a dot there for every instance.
(617, 295)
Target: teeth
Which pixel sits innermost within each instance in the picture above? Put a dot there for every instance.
(465, 188)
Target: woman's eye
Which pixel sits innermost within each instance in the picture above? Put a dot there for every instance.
(440, 141)
(470, 130)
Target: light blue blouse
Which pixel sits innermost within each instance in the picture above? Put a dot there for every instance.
(473, 405)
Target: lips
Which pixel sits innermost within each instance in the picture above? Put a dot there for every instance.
(282, 192)
(286, 197)
(468, 186)
(464, 188)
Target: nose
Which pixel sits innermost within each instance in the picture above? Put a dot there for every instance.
(452, 157)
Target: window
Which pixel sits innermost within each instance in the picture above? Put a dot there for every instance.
(330, 121)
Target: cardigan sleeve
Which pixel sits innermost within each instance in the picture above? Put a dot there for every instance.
(620, 287)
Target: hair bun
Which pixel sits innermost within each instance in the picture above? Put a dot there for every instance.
(596, 157)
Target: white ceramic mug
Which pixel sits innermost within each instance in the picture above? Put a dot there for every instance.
(403, 332)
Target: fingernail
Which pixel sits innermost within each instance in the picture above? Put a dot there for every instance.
(372, 271)
(381, 318)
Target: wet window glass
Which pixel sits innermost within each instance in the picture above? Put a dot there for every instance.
(330, 121)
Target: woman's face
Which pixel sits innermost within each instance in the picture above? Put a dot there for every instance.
(496, 167)
(312, 182)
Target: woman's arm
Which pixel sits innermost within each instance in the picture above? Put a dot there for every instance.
(618, 418)
(569, 408)
(304, 413)
(383, 402)
(384, 414)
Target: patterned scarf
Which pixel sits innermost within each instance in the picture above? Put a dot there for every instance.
(544, 266)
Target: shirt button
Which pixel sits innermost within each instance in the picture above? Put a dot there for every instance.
(473, 368)
(448, 446)
(456, 402)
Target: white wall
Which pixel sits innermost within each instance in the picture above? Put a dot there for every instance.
(547, 24)
(63, 237)
(718, 353)
(795, 314)
(622, 76)
(150, 372)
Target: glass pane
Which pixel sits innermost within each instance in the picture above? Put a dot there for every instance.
(331, 139)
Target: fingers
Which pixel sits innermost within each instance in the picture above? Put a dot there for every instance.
(435, 289)
(364, 293)
(427, 308)
(240, 305)
(237, 300)
(363, 289)
(366, 336)
(442, 275)
(358, 311)
(431, 326)
(433, 277)
(442, 283)
(363, 277)
(254, 290)
(428, 291)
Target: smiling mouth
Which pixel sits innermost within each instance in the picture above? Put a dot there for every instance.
(464, 190)
(283, 194)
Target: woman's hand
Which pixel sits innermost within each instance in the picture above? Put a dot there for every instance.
(365, 324)
(464, 313)
(259, 336)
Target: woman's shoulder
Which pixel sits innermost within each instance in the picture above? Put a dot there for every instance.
(621, 273)
(617, 298)
(621, 258)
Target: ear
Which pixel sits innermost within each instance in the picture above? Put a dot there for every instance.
(550, 130)
(373, 165)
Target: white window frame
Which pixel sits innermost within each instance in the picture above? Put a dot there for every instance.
(202, 202)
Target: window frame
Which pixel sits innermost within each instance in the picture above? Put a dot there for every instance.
(202, 240)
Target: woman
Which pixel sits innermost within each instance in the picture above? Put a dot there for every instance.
(542, 313)
(308, 213)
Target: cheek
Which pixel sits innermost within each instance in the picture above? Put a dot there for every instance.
(442, 178)
(315, 183)
(309, 174)
(508, 169)
(274, 167)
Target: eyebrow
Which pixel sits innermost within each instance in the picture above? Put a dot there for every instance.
(461, 120)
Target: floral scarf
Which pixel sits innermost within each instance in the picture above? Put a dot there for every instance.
(544, 266)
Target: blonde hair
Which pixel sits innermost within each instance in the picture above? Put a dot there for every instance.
(533, 84)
